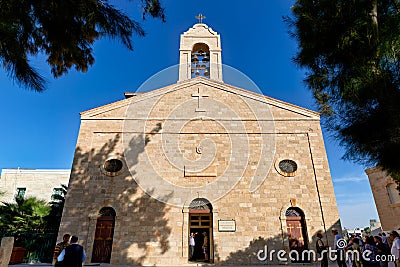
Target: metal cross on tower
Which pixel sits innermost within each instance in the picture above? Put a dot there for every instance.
(200, 17)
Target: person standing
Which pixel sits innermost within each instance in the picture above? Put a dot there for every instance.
(205, 246)
(59, 247)
(73, 255)
(395, 250)
(322, 250)
(192, 244)
(371, 247)
(384, 238)
(383, 251)
(341, 261)
(354, 246)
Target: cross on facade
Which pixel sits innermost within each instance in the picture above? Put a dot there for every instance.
(199, 95)
(200, 17)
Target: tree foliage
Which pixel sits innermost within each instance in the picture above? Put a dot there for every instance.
(24, 214)
(64, 31)
(57, 206)
(350, 50)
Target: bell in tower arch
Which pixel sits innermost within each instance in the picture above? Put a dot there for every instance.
(200, 61)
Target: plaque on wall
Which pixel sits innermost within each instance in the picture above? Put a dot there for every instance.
(226, 226)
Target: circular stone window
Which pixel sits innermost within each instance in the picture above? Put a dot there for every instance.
(287, 167)
(113, 167)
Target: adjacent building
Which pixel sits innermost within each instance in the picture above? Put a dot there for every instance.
(387, 198)
(39, 183)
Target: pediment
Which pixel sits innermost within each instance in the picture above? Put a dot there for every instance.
(200, 30)
(186, 92)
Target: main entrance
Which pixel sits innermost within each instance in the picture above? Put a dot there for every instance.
(200, 225)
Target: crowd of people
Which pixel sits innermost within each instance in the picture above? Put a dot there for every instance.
(363, 251)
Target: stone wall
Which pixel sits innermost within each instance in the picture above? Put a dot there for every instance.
(38, 183)
(6, 247)
(150, 229)
(386, 196)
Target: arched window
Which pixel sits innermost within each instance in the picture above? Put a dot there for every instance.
(200, 204)
(107, 211)
(200, 61)
(393, 194)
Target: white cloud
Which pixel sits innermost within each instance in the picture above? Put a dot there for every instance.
(350, 179)
(354, 197)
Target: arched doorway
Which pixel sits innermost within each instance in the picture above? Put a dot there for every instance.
(200, 224)
(103, 238)
(297, 233)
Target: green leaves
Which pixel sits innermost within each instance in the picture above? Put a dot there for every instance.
(24, 214)
(64, 31)
(350, 50)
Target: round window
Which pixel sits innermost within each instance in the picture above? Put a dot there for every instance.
(286, 167)
(113, 165)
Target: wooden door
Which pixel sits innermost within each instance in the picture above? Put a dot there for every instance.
(103, 239)
(297, 233)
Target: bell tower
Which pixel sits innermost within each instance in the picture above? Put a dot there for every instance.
(200, 53)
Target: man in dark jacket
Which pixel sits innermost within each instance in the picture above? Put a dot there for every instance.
(73, 255)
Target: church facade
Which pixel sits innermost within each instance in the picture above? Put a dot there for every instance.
(239, 170)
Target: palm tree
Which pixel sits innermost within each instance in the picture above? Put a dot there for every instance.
(57, 206)
(23, 215)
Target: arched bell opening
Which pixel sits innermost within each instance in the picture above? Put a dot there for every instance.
(200, 61)
(297, 234)
(200, 225)
(103, 240)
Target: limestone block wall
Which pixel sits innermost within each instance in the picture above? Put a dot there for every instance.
(150, 231)
(38, 183)
(6, 247)
(386, 196)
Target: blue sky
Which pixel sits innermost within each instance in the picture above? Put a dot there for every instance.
(39, 130)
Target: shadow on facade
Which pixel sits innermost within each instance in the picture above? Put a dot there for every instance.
(267, 250)
(140, 223)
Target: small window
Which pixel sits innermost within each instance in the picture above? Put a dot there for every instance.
(20, 192)
(56, 192)
(113, 167)
(286, 167)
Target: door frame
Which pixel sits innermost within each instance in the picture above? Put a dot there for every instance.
(195, 212)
